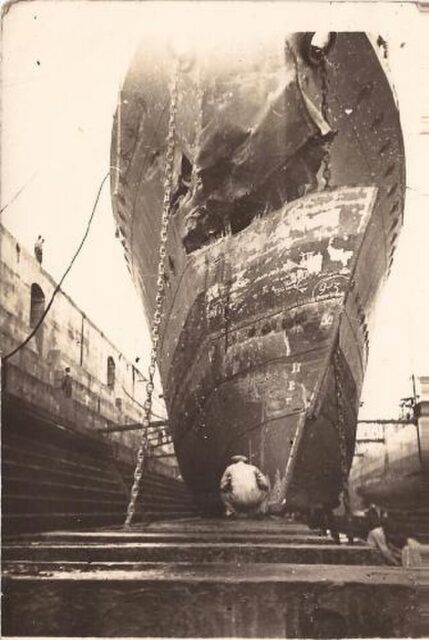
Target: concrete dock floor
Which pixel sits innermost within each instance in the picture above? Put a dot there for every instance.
(203, 578)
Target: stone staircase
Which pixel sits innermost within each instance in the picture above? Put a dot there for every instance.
(54, 477)
(202, 578)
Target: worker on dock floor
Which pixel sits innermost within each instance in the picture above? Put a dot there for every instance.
(395, 547)
(244, 488)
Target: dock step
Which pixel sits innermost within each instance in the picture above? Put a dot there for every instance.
(202, 578)
(55, 554)
(266, 600)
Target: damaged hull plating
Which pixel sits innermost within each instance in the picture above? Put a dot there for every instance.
(272, 269)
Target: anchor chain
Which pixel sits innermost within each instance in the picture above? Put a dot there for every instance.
(159, 300)
(342, 440)
(196, 178)
(326, 172)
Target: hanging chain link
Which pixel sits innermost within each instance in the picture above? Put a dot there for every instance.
(196, 178)
(326, 172)
(160, 295)
(342, 440)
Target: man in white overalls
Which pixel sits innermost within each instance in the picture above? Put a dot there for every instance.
(244, 488)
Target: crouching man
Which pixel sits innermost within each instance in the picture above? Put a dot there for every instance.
(244, 488)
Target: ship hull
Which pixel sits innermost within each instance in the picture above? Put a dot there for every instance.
(252, 371)
(265, 330)
(394, 472)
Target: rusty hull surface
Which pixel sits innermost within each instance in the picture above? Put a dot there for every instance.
(253, 354)
(253, 318)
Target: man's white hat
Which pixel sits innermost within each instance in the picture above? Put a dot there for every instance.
(238, 459)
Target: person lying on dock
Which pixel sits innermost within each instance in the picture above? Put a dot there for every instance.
(395, 547)
(403, 547)
(377, 538)
(244, 488)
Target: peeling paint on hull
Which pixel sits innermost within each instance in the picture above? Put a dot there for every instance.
(253, 356)
(253, 321)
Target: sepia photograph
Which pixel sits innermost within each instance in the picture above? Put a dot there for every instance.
(214, 301)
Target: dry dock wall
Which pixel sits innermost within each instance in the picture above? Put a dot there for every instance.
(66, 338)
